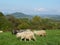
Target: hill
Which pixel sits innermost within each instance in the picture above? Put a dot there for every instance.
(20, 15)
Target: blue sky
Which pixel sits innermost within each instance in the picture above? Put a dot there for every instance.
(30, 6)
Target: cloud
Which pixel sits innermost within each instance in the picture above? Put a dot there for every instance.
(40, 9)
(47, 10)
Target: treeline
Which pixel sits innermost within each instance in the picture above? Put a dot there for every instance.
(9, 22)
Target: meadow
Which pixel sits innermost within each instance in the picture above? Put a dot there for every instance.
(52, 38)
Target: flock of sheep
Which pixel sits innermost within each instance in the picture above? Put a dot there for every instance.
(28, 34)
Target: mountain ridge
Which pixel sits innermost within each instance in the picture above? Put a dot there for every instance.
(23, 15)
(20, 15)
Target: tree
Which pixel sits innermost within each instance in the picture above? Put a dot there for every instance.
(36, 22)
(4, 23)
(1, 14)
(23, 26)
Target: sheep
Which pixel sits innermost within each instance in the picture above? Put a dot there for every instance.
(26, 35)
(30, 35)
(17, 31)
(40, 33)
(14, 32)
(20, 35)
(1, 31)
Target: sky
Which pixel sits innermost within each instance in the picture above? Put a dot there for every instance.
(30, 6)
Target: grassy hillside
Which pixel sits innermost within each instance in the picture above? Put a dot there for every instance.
(52, 38)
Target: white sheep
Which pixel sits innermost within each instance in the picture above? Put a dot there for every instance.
(20, 35)
(1, 31)
(30, 35)
(26, 35)
(40, 32)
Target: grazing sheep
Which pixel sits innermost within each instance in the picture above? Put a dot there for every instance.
(14, 31)
(17, 31)
(40, 33)
(20, 35)
(1, 31)
(27, 35)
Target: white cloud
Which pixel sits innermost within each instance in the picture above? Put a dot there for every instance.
(40, 9)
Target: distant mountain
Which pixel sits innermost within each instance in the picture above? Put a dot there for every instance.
(54, 17)
(20, 15)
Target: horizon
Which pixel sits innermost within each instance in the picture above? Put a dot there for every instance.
(31, 14)
(30, 6)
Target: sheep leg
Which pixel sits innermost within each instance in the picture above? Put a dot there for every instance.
(22, 38)
(33, 38)
(25, 39)
(29, 39)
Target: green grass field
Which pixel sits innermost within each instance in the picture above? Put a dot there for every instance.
(52, 38)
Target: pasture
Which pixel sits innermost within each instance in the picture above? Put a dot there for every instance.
(52, 38)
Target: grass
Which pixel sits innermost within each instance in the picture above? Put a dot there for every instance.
(52, 38)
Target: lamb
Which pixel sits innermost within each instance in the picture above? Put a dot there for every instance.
(40, 33)
(26, 35)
